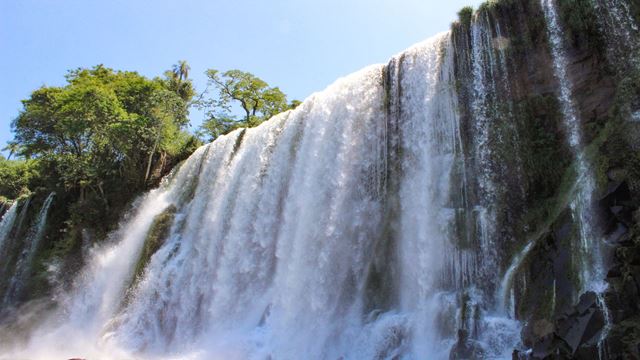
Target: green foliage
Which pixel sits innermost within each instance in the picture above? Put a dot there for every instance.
(177, 80)
(257, 100)
(157, 235)
(581, 24)
(545, 156)
(106, 135)
(465, 15)
(16, 177)
(294, 104)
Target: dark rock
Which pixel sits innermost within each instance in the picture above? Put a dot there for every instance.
(587, 353)
(618, 234)
(466, 348)
(576, 334)
(616, 210)
(545, 347)
(617, 193)
(614, 272)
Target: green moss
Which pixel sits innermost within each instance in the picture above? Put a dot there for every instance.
(238, 143)
(158, 233)
(581, 24)
(465, 15)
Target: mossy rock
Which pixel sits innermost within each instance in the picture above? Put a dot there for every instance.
(157, 235)
(465, 15)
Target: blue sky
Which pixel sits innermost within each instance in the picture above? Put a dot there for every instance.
(299, 45)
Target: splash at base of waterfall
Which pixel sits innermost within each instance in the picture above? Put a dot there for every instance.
(319, 232)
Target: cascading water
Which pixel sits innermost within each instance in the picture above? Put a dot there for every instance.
(11, 244)
(498, 330)
(592, 276)
(589, 251)
(368, 223)
(623, 34)
(484, 75)
(6, 224)
(23, 265)
(269, 251)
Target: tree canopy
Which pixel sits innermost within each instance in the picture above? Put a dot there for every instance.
(107, 135)
(257, 100)
(105, 130)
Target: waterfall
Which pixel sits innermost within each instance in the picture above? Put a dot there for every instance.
(367, 223)
(621, 30)
(590, 259)
(6, 224)
(484, 75)
(11, 245)
(270, 233)
(23, 265)
(593, 272)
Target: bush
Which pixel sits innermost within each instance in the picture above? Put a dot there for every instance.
(16, 177)
(465, 15)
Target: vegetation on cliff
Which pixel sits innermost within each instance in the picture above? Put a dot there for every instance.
(106, 136)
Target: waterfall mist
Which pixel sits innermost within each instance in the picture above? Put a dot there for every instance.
(374, 221)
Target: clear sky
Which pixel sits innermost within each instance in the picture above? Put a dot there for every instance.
(299, 45)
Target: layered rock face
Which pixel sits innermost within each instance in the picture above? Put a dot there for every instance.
(538, 173)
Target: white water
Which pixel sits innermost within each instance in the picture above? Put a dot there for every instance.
(23, 265)
(621, 30)
(272, 254)
(6, 224)
(484, 75)
(505, 292)
(498, 330)
(589, 253)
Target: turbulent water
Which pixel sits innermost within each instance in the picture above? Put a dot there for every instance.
(320, 232)
(358, 226)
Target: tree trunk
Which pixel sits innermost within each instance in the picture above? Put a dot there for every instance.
(155, 145)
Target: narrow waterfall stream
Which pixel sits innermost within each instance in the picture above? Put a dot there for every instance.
(7, 222)
(582, 203)
(593, 271)
(23, 265)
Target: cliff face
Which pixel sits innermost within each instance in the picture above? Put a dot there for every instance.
(533, 168)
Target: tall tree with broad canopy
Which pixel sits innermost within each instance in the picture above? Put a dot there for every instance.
(234, 88)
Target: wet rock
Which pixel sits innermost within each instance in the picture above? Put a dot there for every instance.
(618, 236)
(465, 348)
(587, 353)
(544, 347)
(584, 325)
(576, 334)
(542, 328)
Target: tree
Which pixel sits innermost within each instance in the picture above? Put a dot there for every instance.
(177, 80)
(257, 100)
(294, 104)
(102, 133)
(13, 148)
(16, 177)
